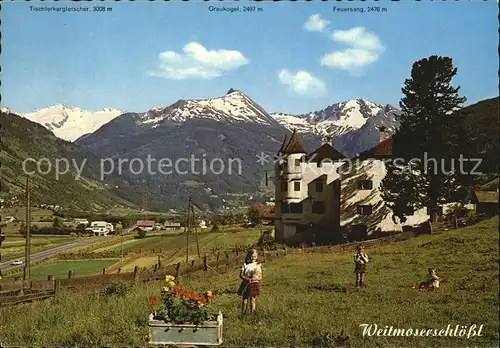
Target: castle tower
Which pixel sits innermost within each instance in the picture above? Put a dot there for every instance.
(292, 170)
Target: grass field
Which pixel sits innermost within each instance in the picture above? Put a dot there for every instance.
(13, 247)
(174, 246)
(20, 214)
(60, 268)
(305, 297)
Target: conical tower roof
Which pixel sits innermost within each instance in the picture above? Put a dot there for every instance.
(294, 145)
(283, 145)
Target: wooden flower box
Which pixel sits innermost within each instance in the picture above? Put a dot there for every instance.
(208, 333)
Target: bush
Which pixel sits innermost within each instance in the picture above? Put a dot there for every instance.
(266, 240)
(117, 288)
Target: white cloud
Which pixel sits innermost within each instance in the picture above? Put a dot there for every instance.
(365, 48)
(316, 23)
(196, 62)
(302, 82)
(358, 37)
(348, 59)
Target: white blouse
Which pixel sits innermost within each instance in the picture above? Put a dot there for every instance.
(252, 269)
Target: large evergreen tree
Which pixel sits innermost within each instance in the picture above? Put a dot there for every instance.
(428, 129)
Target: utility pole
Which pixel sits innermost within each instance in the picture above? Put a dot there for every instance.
(2, 237)
(188, 228)
(121, 242)
(195, 229)
(26, 275)
(145, 203)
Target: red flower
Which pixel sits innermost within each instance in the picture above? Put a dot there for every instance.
(154, 300)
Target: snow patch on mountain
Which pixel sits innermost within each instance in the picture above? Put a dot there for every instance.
(235, 106)
(71, 123)
(335, 120)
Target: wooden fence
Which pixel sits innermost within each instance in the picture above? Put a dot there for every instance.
(20, 291)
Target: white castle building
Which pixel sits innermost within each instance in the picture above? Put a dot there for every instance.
(322, 195)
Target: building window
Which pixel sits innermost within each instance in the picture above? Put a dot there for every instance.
(284, 186)
(319, 186)
(365, 209)
(365, 185)
(297, 162)
(285, 208)
(296, 186)
(296, 208)
(318, 208)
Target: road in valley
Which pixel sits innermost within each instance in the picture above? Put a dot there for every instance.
(6, 266)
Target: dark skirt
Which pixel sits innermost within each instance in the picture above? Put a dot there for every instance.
(248, 290)
(360, 268)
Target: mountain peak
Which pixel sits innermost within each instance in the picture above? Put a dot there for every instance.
(234, 106)
(232, 90)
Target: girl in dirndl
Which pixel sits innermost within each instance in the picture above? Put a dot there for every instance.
(251, 275)
(360, 261)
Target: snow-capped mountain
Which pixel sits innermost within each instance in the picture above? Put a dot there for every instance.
(335, 120)
(235, 106)
(353, 124)
(228, 132)
(71, 123)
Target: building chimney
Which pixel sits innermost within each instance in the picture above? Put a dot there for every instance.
(383, 134)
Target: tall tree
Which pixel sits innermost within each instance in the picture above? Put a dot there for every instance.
(426, 142)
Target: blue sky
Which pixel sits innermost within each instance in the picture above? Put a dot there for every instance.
(148, 54)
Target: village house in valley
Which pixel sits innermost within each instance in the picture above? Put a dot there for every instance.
(100, 228)
(322, 196)
(145, 225)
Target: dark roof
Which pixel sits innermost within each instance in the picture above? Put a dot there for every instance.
(490, 186)
(294, 144)
(325, 151)
(283, 145)
(382, 149)
(486, 196)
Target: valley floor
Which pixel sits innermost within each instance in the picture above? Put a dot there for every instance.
(305, 298)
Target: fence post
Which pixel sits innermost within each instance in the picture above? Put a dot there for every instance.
(159, 262)
(205, 266)
(153, 250)
(218, 255)
(177, 270)
(56, 287)
(156, 267)
(103, 271)
(237, 251)
(136, 274)
(70, 274)
(455, 222)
